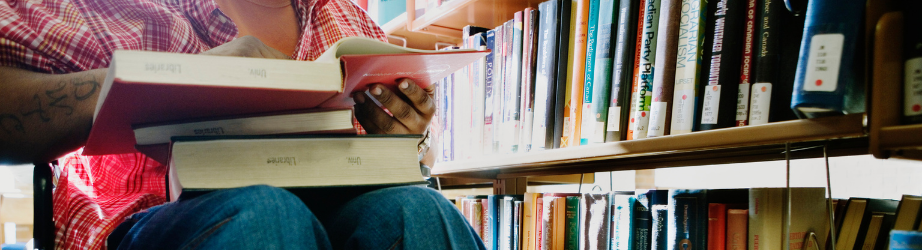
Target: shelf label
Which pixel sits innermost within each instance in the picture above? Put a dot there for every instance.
(711, 104)
(913, 87)
(742, 102)
(823, 62)
(657, 119)
(683, 105)
(614, 118)
(759, 103)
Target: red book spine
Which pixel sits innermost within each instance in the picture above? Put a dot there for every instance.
(742, 103)
(539, 221)
(737, 229)
(717, 226)
(483, 217)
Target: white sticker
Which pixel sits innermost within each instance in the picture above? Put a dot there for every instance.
(640, 125)
(614, 118)
(711, 104)
(683, 105)
(760, 103)
(566, 126)
(657, 119)
(599, 135)
(913, 87)
(742, 102)
(823, 62)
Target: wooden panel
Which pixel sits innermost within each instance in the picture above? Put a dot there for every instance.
(734, 144)
(885, 108)
(900, 137)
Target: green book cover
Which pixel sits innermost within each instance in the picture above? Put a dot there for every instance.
(598, 77)
(571, 238)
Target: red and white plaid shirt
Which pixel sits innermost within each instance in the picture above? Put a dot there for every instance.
(95, 193)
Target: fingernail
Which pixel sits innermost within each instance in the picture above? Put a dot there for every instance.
(359, 98)
(376, 90)
(404, 84)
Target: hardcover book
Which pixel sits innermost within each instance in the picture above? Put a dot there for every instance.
(664, 76)
(622, 71)
(767, 208)
(594, 213)
(546, 75)
(148, 87)
(721, 90)
(688, 64)
(598, 77)
(647, 65)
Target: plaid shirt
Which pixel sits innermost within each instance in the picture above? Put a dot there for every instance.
(95, 193)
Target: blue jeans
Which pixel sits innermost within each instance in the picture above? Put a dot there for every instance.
(263, 217)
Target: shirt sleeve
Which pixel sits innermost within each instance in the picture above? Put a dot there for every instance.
(335, 20)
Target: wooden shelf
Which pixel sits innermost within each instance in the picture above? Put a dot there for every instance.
(397, 33)
(901, 137)
(449, 18)
(731, 145)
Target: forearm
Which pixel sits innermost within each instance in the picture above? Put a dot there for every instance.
(43, 116)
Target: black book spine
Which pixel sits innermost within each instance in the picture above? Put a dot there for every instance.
(659, 233)
(688, 219)
(546, 72)
(707, 42)
(720, 93)
(560, 89)
(775, 63)
(623, 71)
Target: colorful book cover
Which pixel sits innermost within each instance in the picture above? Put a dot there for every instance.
(572, 224)
(576, 74)
(512, 90)
(489, 86)
(647, 66)
(622, 73)
(529, 62)
(746, 74)
(688, 62)
(717, 226)
(598, 78)
(638, 45)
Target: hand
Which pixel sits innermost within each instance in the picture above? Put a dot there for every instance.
(247, 46)
(412, 108)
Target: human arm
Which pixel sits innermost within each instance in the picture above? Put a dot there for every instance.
(412, 107)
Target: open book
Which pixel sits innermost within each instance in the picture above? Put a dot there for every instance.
(151, 87)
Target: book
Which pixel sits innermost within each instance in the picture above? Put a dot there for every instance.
(623, 223)
(912, 52)
(506, 223)
(660, 216)
(576, 73)
(767, 208)
(489, 87)
(208, 163)
(709, 26)
(642, 216)
(878, 226)
(622, 72)
(721, 90)
(512, 90)
(827, 81)
(688, 64)
(499, 81)
(687, 219)
(638, 45)
(775, 63)
(905, 240)
(546, 77)
(647, 65)
(908, 212)
(598, 77)
(746, 71)
(664, 75)
(529, 62)
(571, 235)
(737, 229)
(594, 226)
(857, 219)
(478, 90)
(517, 219)
(486, 231)
(150, 87)
(717, 226)
(565, 37)
(531, 220)
(559, 209)
(475, 217)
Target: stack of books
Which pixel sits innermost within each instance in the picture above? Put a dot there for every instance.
(578, 72)
(224, 122)
(714, 219)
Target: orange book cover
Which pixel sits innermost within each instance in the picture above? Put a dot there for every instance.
(637, 47)
(577, 74)
(150, 87)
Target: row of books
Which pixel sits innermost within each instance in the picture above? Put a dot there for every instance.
(577, 72)
(714, 219)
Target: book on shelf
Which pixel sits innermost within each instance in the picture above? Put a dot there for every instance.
(573, 101)
(767, 215)
(721, 89)
(530, 222)
(642, 217)
(646, 66)
(296, 161)
(490, 85)
(622, 215)
(622, 71)
(717, 226)
(688, 64)
(664, 75)
(737, 229)
(905, 240)
(775, 63)
(857, 220)
(512, 87)
(594, 226)
(908, 213)
(546, 75)
(147, 87)
(746, 70)
(571, 236)
(598, 73)
(658, 234)
(529, 64)
(635, 73)
(565, 39)
(828, 79)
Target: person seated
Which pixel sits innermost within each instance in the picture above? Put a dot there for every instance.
(53, 59)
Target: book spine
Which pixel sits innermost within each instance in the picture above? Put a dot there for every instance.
(912, 49)
(647, 66)
(717, 226)
(638, 46)
(826, 80)
(543, 225)
(476, 217)
(766, 61)
(737, 229)
(487, 230)
(499, 77)
(746, 74)
(529, 61)
(686, 219)
(594, 219)
(722, 84)
(507, 227)
(518, 219)
(462, 109)
(688, 61)
(624, 230)
(559, 224)
(489, 82)
(664, 75)
(616, 126)
(448, 130)
(571, 236)
(565, 31)
(545, 74)
(660, 238)
(512, 93)
(643, 224)
(477, 101)
(598, 79)
(576, 74)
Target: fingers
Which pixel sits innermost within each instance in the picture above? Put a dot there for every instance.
(402, 110)
(374, 119)
(420, 98)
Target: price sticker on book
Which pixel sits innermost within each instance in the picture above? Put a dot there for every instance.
(913, 87)
(711, 104)
(823, 62)
(759, 103)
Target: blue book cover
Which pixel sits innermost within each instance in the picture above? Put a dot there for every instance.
(598, 78)
(905, 240)
(623, 232)
(591, 40)
(643, 217)
(828, 80)
(687, 227)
